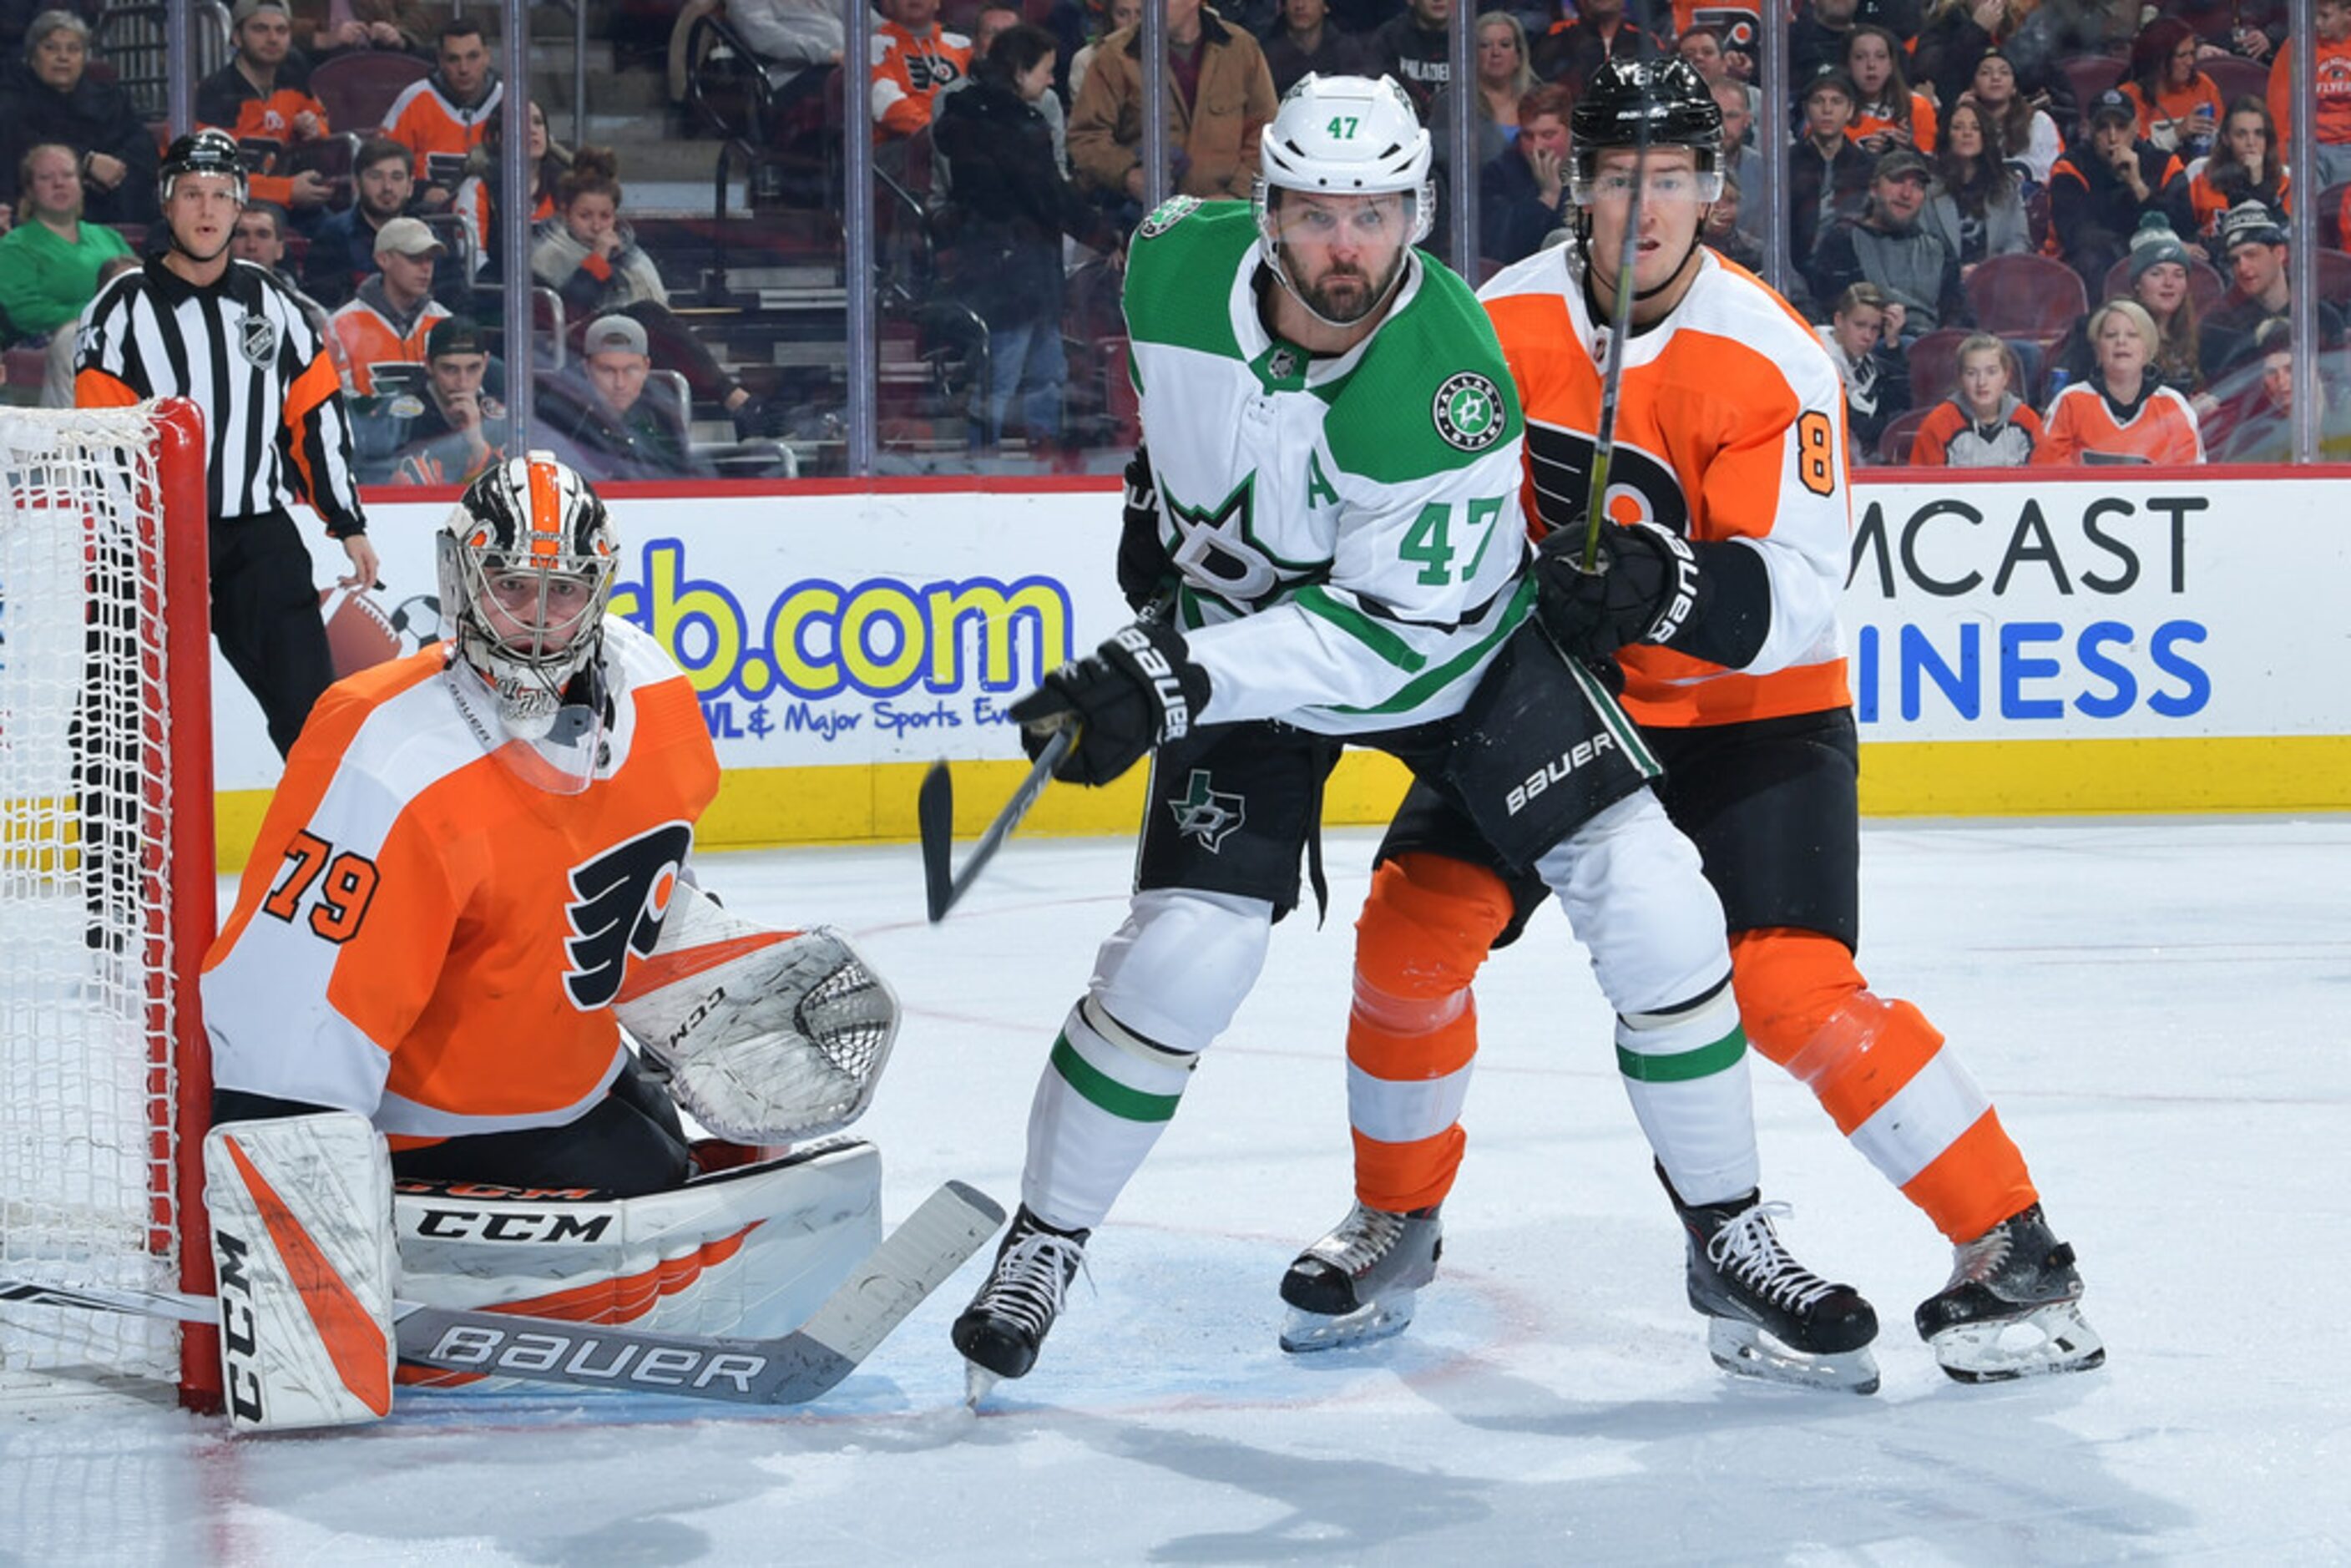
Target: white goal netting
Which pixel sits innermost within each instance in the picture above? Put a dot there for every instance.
(90, 1081)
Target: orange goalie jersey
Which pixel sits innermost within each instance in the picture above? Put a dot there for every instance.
(1730, 426)
(424, 938)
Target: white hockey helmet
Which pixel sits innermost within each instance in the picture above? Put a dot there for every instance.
(527, 561)
(1342, 136)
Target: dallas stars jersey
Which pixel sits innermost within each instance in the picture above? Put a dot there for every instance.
(425, 938)
(1729, 425)
(1348, 529)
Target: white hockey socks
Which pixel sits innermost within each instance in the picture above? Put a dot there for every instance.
(1685, 1073)
(1105, 1096)
(301, 1223)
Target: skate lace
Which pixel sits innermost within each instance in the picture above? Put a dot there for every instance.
(1032, 1279)
(1982, 1259)
(1363, 1239)
(1750, 1248)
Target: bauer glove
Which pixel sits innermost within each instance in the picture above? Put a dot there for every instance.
(1145, 570)
(1134, 692)
(1644, 586)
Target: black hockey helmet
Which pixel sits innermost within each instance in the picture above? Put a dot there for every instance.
(1668, 94)
(206, 152)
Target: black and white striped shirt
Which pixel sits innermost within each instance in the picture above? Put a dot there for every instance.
(243, 350)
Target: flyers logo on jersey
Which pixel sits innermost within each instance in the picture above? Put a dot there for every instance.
(1640, 489)
(618, 902)
(1470, 411)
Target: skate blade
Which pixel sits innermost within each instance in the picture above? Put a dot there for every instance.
(1305, 1332)
(977, 1381)
(1744, 1350)
(2051, 1339)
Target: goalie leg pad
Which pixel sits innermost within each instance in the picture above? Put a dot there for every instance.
(747, 1253)
(767, 1036)
(302, 1246)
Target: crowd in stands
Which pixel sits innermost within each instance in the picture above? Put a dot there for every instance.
(2029, 230)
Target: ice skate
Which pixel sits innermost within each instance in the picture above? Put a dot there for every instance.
(1768, 1316)
(1001, 1331)
(1357, 1284)
(2011, 1307)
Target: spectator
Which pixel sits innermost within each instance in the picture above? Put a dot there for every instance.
(995, 21)
(1503, 78)
(1740, 160)
(1816, 40)
(599, 410)
(1722, 231)
(2244, 166)
(799, 42)
(1118, 15)
(343, 253)
(590, 257)
(1952, 40)
(1571, 51)
(1862, 334)
(1887, 245)
(1828, 176)
(914, 60)
(2254, 239)
(2028, 134)
(1222, 99)
(1886, 113)
(2330, 23)
(2060, 30)
(460, 429)
(1415, 49)
(2123, 414)
(1974, 205)
(2262, 428)
(403, 24)
(2179, 106)
(2159, 282)
(57, 373)
(16, 18)
(2249, 29)
(442, 118)
(50, 96)
(49, 261)
(1306, 41)
(263, 99)
(1983, 423)
(476, 198)
(386, 321)
(2105, 183)
(1002, 231)
(259, 237)
(1519, 190)
(1701, 48)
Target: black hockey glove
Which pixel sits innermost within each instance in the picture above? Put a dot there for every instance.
(1645, 586)
(1134, 692)
(1145, 571)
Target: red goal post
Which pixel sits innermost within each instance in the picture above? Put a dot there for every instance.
(107, 897)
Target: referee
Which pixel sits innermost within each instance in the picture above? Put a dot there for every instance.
(196, 324)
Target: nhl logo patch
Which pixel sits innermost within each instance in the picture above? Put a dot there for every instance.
(256, 339)
(1168, 214)
(1469, 411)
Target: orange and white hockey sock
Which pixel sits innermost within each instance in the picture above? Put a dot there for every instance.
(1881, 1072)
(1412, 1031)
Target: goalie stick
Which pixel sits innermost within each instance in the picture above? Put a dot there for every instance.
(927, 1246)
(943, 887)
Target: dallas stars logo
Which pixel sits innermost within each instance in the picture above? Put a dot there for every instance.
(1469, 411)
(1206, 814)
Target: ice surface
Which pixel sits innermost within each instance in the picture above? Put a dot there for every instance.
(2160, 1009)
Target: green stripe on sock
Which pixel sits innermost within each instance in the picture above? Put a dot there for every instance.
(1093, 1084)
(1681, 1066)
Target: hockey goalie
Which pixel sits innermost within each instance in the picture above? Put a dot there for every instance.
(471, 891)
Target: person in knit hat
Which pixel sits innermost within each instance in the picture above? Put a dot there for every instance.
(2253, 241)
(2155, 271)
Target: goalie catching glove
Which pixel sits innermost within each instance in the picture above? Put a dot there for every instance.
(1138, 690)
(767, 1036)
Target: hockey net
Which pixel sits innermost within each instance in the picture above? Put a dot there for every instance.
(106, 888)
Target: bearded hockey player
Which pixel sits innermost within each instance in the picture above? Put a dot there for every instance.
(473, 876)
(1336, 446)
(1715, 593)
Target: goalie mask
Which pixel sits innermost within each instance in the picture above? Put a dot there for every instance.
(526, 563)
(1342, 136)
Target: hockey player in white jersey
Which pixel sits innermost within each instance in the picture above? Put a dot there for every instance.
(1336, 442)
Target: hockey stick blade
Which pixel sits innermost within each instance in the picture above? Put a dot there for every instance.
(929, 1245)
(935, 811)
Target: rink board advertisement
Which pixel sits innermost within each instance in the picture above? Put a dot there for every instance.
(2017, 645)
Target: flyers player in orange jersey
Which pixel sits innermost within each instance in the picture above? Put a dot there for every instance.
(1715, 594)
(472, 877)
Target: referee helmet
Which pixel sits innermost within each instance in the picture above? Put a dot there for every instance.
(206, 152)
